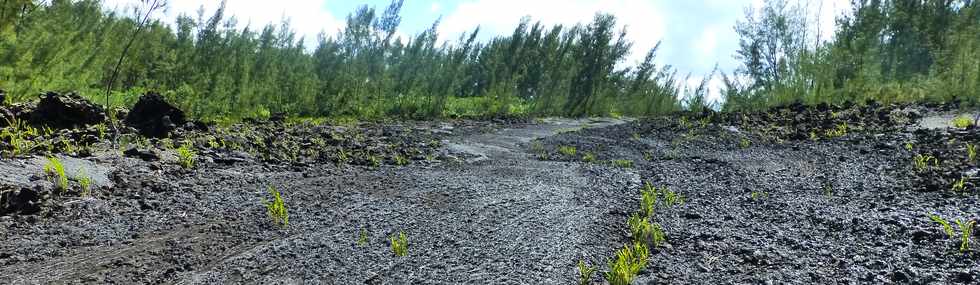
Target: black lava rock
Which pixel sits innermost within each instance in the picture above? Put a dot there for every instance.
(154, 117)
(66, 111)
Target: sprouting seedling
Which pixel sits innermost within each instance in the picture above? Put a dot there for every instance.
(567, 150)
(971, 152)
(744, 143)
(947, 228)
(672, 198)
(908, 146)
(921, 162)
(362, 240)
(56, 170)
(962, 122)
(959, 185)
(623, 163)
(399, 244)
(628, 263)
(648, 200)
(85, 182)
(186, 156)
(585, 273)
(588, 157)
(966, 231)
(277, 208)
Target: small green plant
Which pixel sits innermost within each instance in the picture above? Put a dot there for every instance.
(56, 171)
(85, 182)
(828, 190)
(629, 261)
(342, 157)
(567, 150)
(362, 239)
(922, 162)
(588, 157)
(959, 185)
(277, 208)
(756, 195)
(19, 134)
(839, 131)
(966, 231)
(648, 200)
(971, 152)
(947, 228)
(623, 163)
(636, 136)
(962, 122)
(101, 129)
(186, 156)
(908, 146)
(399, 244)
(744, 143)
(374, 160)
(400, 160)
(585, 273)
(672, 198)
(213, 143)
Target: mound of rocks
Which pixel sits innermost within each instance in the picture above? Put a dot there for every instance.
(66, 111)
(24, 201)
(154, 117)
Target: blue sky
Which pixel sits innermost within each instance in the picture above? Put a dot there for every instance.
(696, 34)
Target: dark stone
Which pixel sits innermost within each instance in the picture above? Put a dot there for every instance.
(23, 201)
(66, 111)
(154, 117)
(3, 97)
(141, 154)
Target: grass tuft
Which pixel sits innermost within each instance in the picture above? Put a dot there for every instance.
(567, 150)
(56, 171)
(947, 228)
(628, 263)
(971, 152)
(399, 244)
(623, 163)
(966, 230)
(85, 182)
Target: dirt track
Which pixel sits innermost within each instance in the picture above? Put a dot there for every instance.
(491, 212)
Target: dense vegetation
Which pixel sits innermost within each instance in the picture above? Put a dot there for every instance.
(213, 69)
(889, 50)
(886, 50)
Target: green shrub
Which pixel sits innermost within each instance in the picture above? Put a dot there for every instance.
(399, 244)
(588, 157)
(839, 131)
(628, 263)
(645, 232)
(277, 208)
(56, 171)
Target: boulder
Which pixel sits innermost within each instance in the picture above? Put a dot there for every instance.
(66, 111)
(24, 201)
(154, 117)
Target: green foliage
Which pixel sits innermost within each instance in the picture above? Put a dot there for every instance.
(629, 261)
(400, 160)
(962, 122)
(213, 70)
(362, 239)
(971, 152)
(567, 150)
(276, 209)
(85, 182)
(54, 169)
(589, 157)
(186, 156)
(585, 273)
(672, 198)
(19, 136)
(648, 200)
(757, 195)
(947, 228)
(922, 162)
(839, 131)
(623, 163)
(930, 53)
(399, 244)
(744, 143)
(959, 185)
(645, 232)
(966, 231)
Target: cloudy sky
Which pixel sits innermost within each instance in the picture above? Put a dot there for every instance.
(696, 34)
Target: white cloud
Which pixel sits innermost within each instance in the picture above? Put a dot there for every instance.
(435, 7)
(645, 24)
(307, 18)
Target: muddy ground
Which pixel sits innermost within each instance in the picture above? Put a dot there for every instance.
(781, 196)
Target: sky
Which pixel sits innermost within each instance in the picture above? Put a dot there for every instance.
(696, 35)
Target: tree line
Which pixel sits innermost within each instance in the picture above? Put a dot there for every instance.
(213, 69)
(886, 50)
